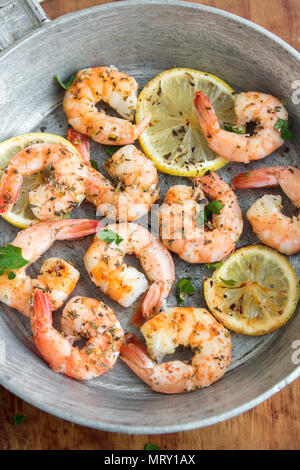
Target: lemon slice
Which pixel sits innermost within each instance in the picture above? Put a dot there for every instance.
(254, 292)
(174, 139)
(21, 216)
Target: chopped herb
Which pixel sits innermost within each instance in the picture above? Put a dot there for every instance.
(228, 282)
(151, 447)
(183, 289)
(68, 83)
(111, 149)
(11, 258)
(19, 419)
(283, 124)
(213, 265)
(94, 165)
(214, 207)
(109, 236)
(11, 275)
(236, 129)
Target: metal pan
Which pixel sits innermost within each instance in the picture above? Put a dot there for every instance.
(142, 38)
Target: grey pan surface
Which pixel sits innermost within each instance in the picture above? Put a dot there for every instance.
(143, 38)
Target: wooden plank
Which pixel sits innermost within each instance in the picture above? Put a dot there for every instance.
(275, 424)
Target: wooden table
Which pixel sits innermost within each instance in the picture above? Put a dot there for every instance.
(275, 424)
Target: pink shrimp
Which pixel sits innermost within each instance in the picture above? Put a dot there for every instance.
(179, 326)
(269, 224)
(264, 109)
(84, 317)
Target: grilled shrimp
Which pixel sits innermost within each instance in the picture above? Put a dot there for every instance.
(269, 224)
(58, 277)
(64, 189)
(179, 214)
(193, 327)
(105, 264)
(82, 317)
(264, 109)
(116, 89)
(135, 176)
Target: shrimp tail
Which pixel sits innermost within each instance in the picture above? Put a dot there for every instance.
(139, 128)
(76, 228)
(81, 142)
(137, 358)
(206, 114)
(10, 187)
(150, 304)
(41, 317)
(260, 178)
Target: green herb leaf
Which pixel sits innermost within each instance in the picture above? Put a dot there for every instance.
(111, 149)
(183, 289)
(236, 129)
(214, 207)
(109, 236)
(151, 447)
(19, 419)
(11, 258)
(94, 165)
(229, 282)
(67, 84)
(283, 124)
(214, 265)
(11, 275)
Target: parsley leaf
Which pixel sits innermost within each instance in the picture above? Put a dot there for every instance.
(236, 129)
(283, 125)
(68, 83)
(11, 258)
(111, 149)
(229, 282)
(151, 447)
(109, 236)
(214, 207)
(214, 265)
(183, 289)
(94, 165)
(19, 419)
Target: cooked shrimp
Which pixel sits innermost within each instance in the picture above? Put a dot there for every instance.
(193, 327)
(261, 108)
(58, 277)
(104, 262)
(82, 317)
(179, 214)
(135, 176)
(269, 224)
(287, 177)
(116, 89)
(64, 189)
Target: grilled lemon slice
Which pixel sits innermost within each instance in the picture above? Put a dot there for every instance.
(254, 292)
(21, 216)
(174, 139)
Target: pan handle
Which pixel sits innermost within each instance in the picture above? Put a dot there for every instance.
(18, 18)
